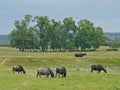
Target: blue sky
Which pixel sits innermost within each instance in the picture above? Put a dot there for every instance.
(104, 13)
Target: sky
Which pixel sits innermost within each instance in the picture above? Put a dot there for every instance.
(103, 13)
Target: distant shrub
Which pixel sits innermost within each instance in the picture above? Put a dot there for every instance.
(112, 49)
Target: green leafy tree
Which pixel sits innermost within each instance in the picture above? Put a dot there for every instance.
(19, 34)
(84, 34)
(31, 42)
(55, 35)
(98, 38)
(41, 28)
(69, 30)
(88, 36)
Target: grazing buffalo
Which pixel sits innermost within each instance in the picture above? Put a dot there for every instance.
(18, 69)
(62, 71)
(80, 54)
(98, 68)
(44, 71)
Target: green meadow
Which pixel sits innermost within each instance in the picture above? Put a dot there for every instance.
(78, 70)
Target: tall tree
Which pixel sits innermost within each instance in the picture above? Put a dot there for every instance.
(41, 28)
(18, 35)
(98, 38)
(55, 35)
(69, 30)
(31, 41)
(85, 29)
(88, 36)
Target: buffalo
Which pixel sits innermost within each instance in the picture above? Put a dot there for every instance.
(18, 68)
(61, 71)
(44, 71)
(80, 54)
(98, 68)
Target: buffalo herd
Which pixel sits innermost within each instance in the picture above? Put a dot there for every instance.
(60, 71)
(42, 71)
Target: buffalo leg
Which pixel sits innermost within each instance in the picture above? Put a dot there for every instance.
(99, 71)
(91, 70)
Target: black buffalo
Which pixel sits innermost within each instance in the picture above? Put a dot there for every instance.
(80, 54)
(98, 68)
(18, 69)
(44, 71)
(62, 71)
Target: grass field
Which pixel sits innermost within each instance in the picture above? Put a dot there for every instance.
(78, 70)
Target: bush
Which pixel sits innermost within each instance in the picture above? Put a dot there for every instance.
(113, 49)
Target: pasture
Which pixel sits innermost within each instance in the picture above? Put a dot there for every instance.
(78, 70)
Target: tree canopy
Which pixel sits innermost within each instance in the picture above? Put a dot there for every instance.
(44, 34)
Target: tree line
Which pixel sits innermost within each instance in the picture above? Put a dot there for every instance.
(44, 34)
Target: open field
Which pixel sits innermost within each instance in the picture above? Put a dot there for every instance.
(78, 70)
